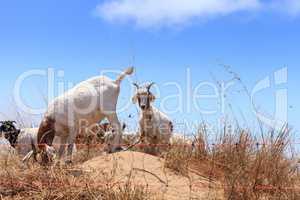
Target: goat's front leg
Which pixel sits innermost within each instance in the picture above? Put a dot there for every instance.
(117, 138)
(142, 145)
(155, 146)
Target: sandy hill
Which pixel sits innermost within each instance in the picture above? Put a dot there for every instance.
(148, 171)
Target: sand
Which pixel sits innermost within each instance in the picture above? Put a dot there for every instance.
(148, 171)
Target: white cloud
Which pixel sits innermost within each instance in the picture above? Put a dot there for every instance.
(148, 13)
(152, 13)
(291, 7)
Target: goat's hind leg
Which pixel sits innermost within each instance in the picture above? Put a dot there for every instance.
(61, 150)
(70, 153)
(71, 142)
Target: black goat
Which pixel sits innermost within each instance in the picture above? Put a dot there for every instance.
(10, 131)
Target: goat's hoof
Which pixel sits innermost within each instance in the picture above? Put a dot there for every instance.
(115, 150)
(119, 149)
(68, 162)
(57, 164)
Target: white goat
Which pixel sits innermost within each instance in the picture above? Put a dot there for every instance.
(183, 140)
(180, 138)
(155, 127)
(92, 101)
(127, 139)
(27, 143)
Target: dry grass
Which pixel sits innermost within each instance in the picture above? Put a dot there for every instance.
(36, 182)
(253, 170)
(178, 157)
(247, 169)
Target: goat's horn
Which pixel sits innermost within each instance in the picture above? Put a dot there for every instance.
(136, 85)
(150, 85)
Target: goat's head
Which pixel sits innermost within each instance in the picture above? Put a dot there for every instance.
(11, 133)
(48, 155)
(143, 96)
(109, 138)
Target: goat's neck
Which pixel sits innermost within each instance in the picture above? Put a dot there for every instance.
(148, 114)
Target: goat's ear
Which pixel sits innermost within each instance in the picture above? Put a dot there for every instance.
(134, 99)
(152, 97)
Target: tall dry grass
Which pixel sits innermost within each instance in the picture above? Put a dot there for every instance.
(247, 168)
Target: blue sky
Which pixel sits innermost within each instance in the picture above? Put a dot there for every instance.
(161, 40)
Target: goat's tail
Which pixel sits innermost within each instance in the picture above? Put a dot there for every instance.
(126, 72)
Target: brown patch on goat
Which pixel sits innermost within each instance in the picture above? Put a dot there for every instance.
(46, 133)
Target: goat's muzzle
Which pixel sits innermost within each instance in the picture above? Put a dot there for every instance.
(143, 107)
